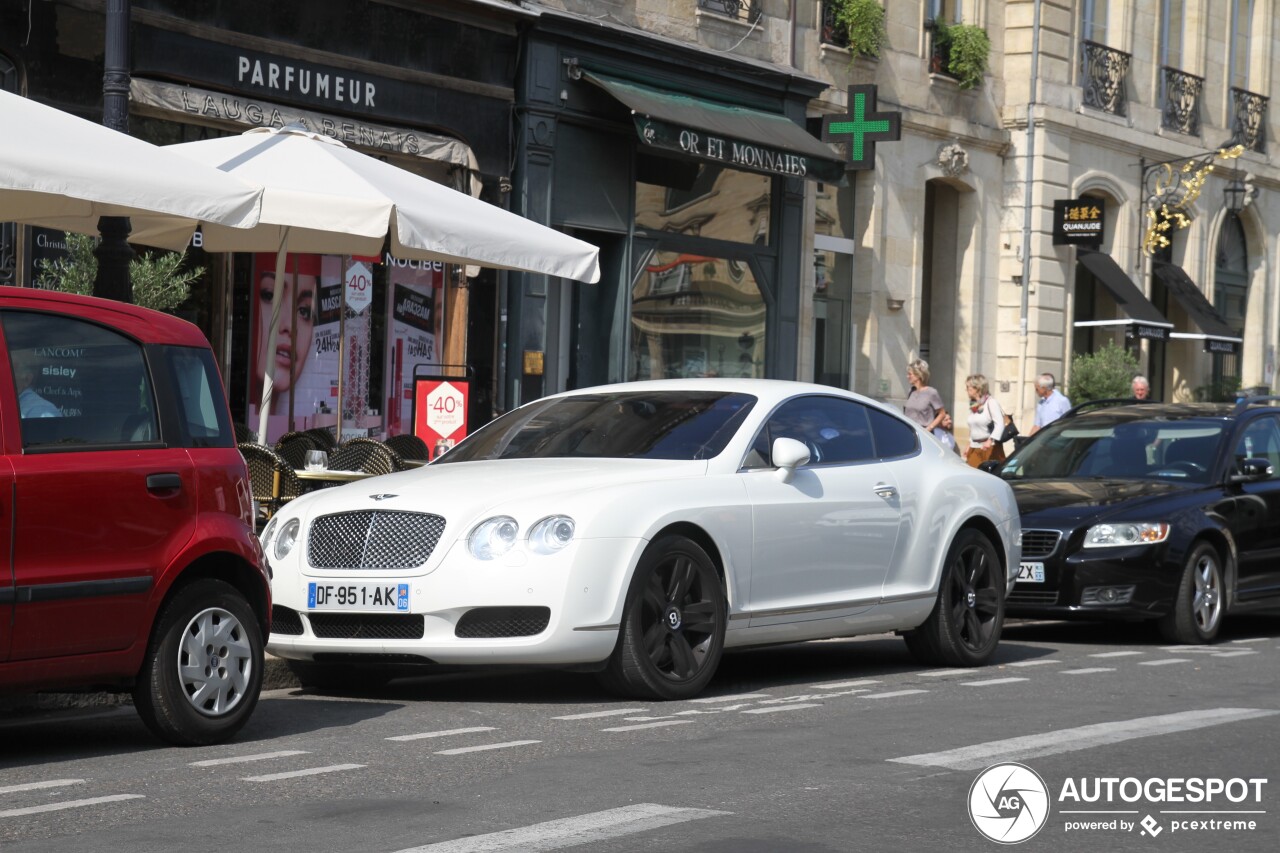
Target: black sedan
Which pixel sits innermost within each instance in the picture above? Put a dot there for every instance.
(1155, 511)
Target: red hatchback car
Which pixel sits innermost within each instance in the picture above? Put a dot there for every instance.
(127, 551)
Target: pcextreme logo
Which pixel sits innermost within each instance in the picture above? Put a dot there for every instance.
(1008, 803)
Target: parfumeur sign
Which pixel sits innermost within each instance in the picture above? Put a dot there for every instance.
(1078, 221)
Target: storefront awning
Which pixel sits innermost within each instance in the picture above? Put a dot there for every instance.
(1142, 318)
(739, 137)
(1214, 331)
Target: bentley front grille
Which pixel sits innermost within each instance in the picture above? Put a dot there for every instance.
(367, 626)
(375, 540)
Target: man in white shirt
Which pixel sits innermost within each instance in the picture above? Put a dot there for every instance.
(1141, 387)
(1051, 405)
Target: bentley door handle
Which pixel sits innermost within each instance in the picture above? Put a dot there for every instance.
(885, 491)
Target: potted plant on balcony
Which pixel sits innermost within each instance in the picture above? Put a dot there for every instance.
(963, 50)
(862, 23)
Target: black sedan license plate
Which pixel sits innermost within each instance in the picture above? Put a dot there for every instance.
(359, 597)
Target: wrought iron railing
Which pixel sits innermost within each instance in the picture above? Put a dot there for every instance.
(1249, 124)
(832, 32)
(1180, 110)
(1105, 76)
(745, 10)
(8, 253)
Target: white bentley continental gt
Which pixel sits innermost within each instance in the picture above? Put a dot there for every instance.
(639, 530)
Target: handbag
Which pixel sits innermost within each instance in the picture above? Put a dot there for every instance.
(1010, 430)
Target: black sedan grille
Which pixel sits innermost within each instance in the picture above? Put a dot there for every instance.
(375, 540)
(1038, 544)
(503, 622)
(367, 626)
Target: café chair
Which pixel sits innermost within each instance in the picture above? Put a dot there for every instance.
(323, 437)
(271, 478)
(294, 451)
(409, 446)
(361, 454)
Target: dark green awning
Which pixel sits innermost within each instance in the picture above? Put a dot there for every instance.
(735, 136)
(1142, 319)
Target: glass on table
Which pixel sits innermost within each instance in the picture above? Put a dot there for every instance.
(317, 460)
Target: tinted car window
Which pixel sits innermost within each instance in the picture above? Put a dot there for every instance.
(202, 412)
(79, 384)
(640, 425)
(1106, 447)
(893, 438)
(1261, 440)
(834, 429)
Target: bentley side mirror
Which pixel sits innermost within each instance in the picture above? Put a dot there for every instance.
(1251, 469)
(788, 455)
(991, 466)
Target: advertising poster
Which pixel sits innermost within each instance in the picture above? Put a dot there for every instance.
(440, 411)
(305, 360)
(413, 333)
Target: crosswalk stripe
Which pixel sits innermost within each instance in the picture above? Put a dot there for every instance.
(840, 685)
(1163, 661)
(707, 700)
(1114, 654)
(445, 733)
(36, 786)
(592, 715)
(1084, 737)
(582, 830)
(70, 804)
(775, 708)
(656, 725)
(939, 672)
(1036, 662)
(892, 694)
(1090, 670)
(240, 759)
(486, 747)
(1233, 654)
(310, 771)
(991, 681)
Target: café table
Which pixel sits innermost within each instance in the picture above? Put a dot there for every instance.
(327, 475)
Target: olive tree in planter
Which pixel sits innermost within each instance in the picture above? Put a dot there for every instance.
(1105, 374)
(862, 22)
(159, 281)
(966, 49)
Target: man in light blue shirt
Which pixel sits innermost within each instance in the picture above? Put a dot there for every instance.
(1051, 405)
(30, 403)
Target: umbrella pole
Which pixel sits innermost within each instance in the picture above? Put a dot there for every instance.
(342, 344)
(270, 354)
(293, 342)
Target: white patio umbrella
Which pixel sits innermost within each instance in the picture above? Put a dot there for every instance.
(322, 197)
(60, 171)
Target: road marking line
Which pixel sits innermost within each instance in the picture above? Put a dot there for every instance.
(70, 804)
(1252, 640)
(659, 724)
(893, 693)
(1114, 654)
(261, 756)
(937, 672)
(840, 685)
(293, 774)
(775, 708)
(991, 681)
(596, 714)
(983, 755)
(709, 699)
(445, 733)
(1164, 662)
(583, 830)
(1233, 654)
(1037, 662)
(1088, 670)
(803, 697)
(35, 786)
(485, 747)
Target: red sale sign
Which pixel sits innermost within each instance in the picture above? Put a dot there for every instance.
(440, 411)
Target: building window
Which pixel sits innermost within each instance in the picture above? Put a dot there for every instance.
(1230, 297)
(1241, 22)
(1093, 21)
(1172, 32)
(745, 10)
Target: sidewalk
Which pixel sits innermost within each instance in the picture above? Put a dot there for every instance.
(276, 675)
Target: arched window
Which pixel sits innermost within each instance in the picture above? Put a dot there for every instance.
(1230, 297)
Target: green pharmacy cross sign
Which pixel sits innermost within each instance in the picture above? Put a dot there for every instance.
(862, 128)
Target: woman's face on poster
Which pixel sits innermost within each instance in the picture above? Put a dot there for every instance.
(297, 328)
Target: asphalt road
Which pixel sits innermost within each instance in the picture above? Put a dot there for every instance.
(818, 747)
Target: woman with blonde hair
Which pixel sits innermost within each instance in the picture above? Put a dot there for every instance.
(924, 404)
(986, 422)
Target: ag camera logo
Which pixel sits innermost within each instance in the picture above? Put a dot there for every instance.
(1008, 803)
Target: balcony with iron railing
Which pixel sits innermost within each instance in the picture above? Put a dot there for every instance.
(748, 11)
(1249, 119)
(1180, 101)
(832, 32)
(939, 55)
(1104, 77)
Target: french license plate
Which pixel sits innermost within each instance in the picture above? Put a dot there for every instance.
(1031, 572)
(359, 597)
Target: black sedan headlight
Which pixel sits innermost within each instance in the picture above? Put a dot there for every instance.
(1125, 533)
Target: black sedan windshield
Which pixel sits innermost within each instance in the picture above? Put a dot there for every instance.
(1182, 451)
(644, 425)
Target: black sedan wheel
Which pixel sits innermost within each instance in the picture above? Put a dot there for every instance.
(1197, 610)
(672, 633)
(964, 627)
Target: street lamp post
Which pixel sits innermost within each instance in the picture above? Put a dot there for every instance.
(113, 251)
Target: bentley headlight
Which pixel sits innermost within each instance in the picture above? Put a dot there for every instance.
(1126, 533)
(264, 538)
(552, 534)
(493, 537)
(286, 538)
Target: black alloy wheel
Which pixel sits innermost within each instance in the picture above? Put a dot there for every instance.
(672, 632)
(964, 627)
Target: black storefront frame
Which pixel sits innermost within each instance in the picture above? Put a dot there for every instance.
(536, 309)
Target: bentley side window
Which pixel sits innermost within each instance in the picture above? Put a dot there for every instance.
(835, 430)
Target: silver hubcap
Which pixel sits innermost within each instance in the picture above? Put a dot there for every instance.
(215, 662)
(1207, 604)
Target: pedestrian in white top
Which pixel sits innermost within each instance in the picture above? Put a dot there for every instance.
(1051, 405)
(986, 422)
